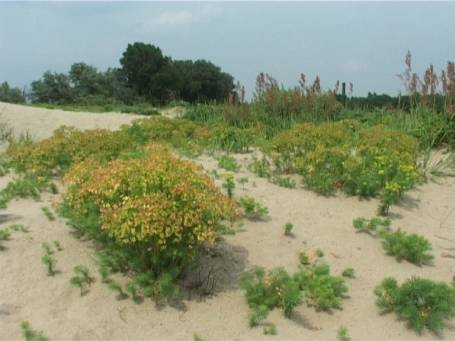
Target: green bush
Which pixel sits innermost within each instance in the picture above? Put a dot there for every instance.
(153, 214)
(411, 247)
(229, 163)
(423, 303)
(363, 161)
(266, 291)
(322, 290)
(253, 210)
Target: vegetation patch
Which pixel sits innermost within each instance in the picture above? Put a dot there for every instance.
(151, 215)
(421, 302)
(411, 247)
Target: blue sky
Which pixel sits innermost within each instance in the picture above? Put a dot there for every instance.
(362, 42)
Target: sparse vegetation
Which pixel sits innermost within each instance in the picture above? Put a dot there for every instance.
(411, 247)
(31, 334)
(342, 334)
(228, 163)
(47, 212)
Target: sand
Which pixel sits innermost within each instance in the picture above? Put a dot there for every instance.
(51, 305)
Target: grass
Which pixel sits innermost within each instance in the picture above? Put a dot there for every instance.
(48, 260)
(342, 334)
(228, 163)
(82, 279)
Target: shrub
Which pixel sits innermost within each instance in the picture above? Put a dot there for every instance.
(229, 184)
(24, 187)
(348, 272)
(82, 279)
(371, 226)
(232, 139)
(368, 162)
(260, 167)
(66, 147)
(154, 213)
(322, 290)
(288, 229)
(412, 247)
(423, 303)
(253, 209)
(266, 291)
(283, 181)
(228, 163)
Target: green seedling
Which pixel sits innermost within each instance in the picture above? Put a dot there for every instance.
(253, 210)
(30, 334)
(19, 228)
(117, 288)
(342, 334)
(49, 262)
(349, 273)
(229, 184)
(57, 245)
(288, 227)
(47, 212)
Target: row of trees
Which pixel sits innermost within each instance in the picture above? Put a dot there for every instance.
(145, 75)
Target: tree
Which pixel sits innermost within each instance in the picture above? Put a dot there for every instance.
(52, 88)
(141, 63)
(86, 80)
(11, 95)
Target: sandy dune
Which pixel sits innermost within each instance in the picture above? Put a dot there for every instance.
(54, 307)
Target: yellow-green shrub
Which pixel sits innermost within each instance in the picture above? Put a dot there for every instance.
(67, 146)
(162, 207)
(344, 155)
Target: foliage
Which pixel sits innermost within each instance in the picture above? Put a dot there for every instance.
(232, 139)
(47, 212)
(261, 167)
(82, 279)
(229, 184)
(283, 181)
(11, 95)
(269, 329)
(26, 186)
(402, 245)
(252, 208)
(266, 291)
(117, 288)
(30, 334)
(423, 303)
(67, 146)
(322, 290)
(412, 247)
(49, 262)
(228, 163)
(152, 214)
(348, 272)
(367, 162)
(342, 334)
(4, 235)
(288, 229)
(371, 226)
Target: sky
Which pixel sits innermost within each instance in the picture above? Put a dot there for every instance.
(359, 42)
